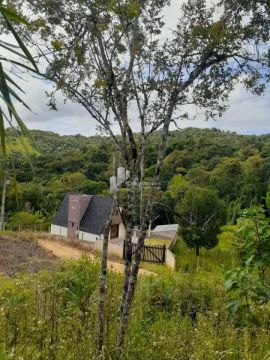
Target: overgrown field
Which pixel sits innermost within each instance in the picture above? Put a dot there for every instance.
(182, 315)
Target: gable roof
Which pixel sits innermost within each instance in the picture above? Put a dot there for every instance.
(165, 231)
(94, 217)
(169, 227)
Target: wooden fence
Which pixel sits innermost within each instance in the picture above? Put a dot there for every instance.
(152, 254)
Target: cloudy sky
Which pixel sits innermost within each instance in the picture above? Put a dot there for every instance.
(248, 114)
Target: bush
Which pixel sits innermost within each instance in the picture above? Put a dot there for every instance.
(23, 220)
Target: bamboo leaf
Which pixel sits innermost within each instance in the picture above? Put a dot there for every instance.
(13, 16)
(8, 78)
(23, 144)
(18, 119)
(19, 41)
(13, 93)
(9, 45)
(13, 51)
(22, 65)
(2, 132)
(4, 89)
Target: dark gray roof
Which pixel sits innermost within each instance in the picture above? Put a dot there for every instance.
(61, 216)
(94, 217)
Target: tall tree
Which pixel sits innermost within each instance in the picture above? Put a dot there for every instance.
(112, 57)
(200, 214)
(226, 177)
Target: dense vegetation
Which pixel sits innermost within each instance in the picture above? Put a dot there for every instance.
(189, 314)
(184, 315)
(235, 167)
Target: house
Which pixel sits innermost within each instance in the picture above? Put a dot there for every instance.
(83, 217)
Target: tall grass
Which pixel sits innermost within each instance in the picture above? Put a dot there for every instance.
(221, 257)
(53, 315)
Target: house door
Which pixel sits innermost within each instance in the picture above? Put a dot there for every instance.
(114, 231)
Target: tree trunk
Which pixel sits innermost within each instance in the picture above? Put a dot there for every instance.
(130, 292)
(102, 290)
(128, 248)
(197, 257)
(145, 215)
(2, 215)
(102, 277)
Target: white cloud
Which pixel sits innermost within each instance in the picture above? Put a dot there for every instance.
(70, 118)
(247, 114)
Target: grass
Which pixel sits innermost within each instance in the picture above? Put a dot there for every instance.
(53, 315)
(155, 242)
(159, 269)
(214, 260)
(175, 315)
(22, 235)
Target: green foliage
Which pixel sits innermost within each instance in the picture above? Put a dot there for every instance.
(256, 235)
(24, 220)
(198, 176)
(250, 282)
(226, 178)
(21, 145)
(177, 186)
(214, 159)
(200, 215)
(93, 187)
(174, 316)
(252, 181)
(212, 261)
(267, 201)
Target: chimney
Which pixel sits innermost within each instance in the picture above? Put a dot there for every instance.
(77, 206)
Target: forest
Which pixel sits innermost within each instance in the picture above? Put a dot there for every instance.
(235, 167)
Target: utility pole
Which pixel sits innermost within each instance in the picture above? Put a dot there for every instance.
(5, 183)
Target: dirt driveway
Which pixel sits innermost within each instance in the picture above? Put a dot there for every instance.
(68, 252)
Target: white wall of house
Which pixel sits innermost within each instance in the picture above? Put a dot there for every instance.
(170, 260)
(122, 231)
(58, 230)
(88, 237)
(62, 231)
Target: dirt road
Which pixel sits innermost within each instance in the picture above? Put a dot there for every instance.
(67, 252)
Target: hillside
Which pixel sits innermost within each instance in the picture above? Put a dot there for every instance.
(237, 167)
